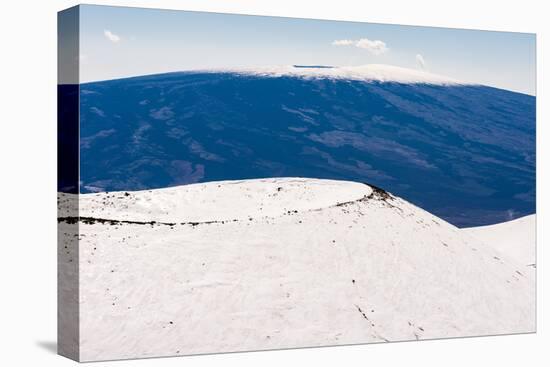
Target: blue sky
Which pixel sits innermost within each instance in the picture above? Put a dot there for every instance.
(118, 42)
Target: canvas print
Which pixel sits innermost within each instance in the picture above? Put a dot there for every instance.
(241, 183)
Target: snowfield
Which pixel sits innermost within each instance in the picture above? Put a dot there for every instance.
(279, 263)
(516, 239)
(369, 72)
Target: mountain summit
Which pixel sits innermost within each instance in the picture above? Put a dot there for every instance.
(279, 263)
(369, 72)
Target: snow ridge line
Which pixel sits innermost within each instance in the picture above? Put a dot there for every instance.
(377, 194)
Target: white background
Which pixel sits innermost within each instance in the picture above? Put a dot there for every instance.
(28, 181)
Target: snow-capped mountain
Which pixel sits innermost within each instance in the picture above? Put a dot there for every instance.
(515, 239)
(463, 152)
(277, 263)
(370, 73)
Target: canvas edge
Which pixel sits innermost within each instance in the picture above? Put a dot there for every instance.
(68, 290)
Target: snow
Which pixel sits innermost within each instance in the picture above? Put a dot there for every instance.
(369, 72)
(515, 240)
(279, 263)
(218, 200)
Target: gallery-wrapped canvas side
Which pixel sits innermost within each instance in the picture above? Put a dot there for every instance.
(67, 184)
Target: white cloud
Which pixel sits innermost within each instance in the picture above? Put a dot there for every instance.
(375, 47)
(343, 42)
(111, 36)
(420, 61)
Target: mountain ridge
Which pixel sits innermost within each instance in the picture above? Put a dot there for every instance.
(357, 271)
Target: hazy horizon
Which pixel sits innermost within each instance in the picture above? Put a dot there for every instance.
(114, 44)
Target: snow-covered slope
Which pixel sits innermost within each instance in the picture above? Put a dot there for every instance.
(516, 239)
(280, 263)
(369, 72)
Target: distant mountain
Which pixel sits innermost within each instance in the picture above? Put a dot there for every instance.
(278, 263)
(465, 153)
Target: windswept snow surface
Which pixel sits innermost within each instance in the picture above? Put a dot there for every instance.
(515, 239)
(369, 72)
(280, 263)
